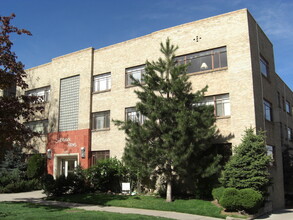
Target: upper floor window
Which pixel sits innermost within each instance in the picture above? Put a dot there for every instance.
(43, 94)
(289, 134)
(279, 99)
(288, 107)
(135, 73)
(101, 120)
(268, 110)
(102, 82)
(264, 67)
(40, 126)
(221, 104)
(134, 115)
(206, 60)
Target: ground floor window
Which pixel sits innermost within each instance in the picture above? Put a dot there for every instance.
(100, 155)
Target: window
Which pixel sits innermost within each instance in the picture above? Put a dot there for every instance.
(102, 82)
(100, 155)
(288, 107)
(270, 151)
(279, 100)
(101, 120)
(221, 104)
(43, 94)
(40, 127)
(133, 115)
(264, 67)
(268, 111)
(289, 133)
(136, 73)
(206, 60)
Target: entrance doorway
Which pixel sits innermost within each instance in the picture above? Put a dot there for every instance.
(66, 165)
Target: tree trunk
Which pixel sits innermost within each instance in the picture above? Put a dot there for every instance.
(169, 190)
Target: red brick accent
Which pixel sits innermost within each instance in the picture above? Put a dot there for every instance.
(69, 142)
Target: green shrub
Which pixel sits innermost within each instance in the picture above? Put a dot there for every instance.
(21, 186)
(107, 175)
(48, 184)
(218, 193)
(230, 199)
(250, 200)
(36, 166)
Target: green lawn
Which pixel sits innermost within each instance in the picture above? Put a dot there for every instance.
(30, 211)
(192, 206)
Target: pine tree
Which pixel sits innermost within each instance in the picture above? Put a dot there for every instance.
(248, 167)
(13, 108)
(178, 130)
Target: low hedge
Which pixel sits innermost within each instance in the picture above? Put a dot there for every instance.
(232, 199)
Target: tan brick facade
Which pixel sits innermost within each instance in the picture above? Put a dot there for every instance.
(241, 79)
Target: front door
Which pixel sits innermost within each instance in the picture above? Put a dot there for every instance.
(67, 165)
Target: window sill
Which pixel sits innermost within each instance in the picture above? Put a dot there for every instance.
(107, 90)
(223, 117)
(103, 129)
(207, 71)
(266, 77)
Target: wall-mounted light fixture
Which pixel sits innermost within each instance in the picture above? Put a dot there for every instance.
(82, 151)
(49, 153)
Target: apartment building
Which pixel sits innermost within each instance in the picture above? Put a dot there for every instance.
(83, 91)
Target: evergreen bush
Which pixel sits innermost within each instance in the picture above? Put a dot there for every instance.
(107, 175)
(250, 200)
(230, 199)
(36, 166)
(218, 193)
(248, 167)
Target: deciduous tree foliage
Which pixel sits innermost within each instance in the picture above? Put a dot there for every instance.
(177, 134)
(248, 167)
(13, 108)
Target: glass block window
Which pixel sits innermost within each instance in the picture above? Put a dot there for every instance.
(69, 104)
(101, 120)
(100, 155)
(102, 82)
(43, 94)
(136, 73)
(40, 126)
(133, 115)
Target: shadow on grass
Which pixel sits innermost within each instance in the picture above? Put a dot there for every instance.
(91, 198)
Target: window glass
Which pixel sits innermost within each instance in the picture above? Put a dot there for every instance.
(206, 60)
(264, 67)
(43, 94)
(289, 132)
(133, 115)
(270, 151)
(102, 82)
(40, 127)
(222, 105)
(268, 110)
(101, 120)
(288, 110)
(100, 155)
(136, 73)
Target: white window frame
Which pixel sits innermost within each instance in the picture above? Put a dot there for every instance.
(40, 126)
(136, 72)
(217, 101)
(102, 82)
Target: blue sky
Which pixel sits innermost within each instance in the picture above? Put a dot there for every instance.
(64, 26)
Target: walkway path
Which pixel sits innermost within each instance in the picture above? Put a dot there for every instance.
(37, 198)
